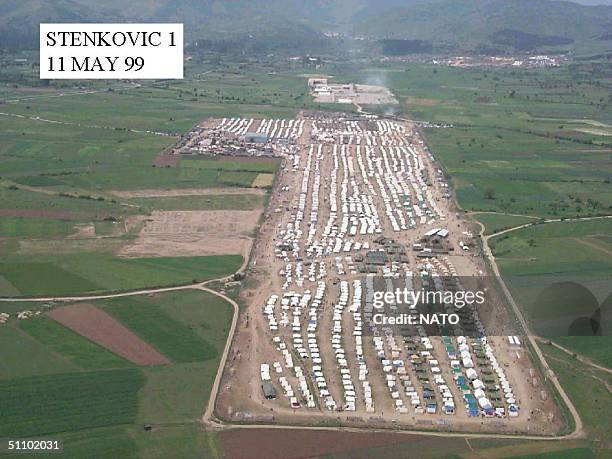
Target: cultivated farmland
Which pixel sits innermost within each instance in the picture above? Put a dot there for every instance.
(100, 328)
(105, 409)
(49, 404)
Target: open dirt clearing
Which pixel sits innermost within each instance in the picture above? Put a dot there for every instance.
(195, 233)
(423, 102)
(102, 329)
(263, 180)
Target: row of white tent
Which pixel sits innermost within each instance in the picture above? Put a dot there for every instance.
(291, 129)
(238, 126)
(393, 173)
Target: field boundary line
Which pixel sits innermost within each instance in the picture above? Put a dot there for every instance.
(540, 222)
(548, 372)
(581, 358)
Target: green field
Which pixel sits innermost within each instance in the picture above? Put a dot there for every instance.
(95, 407)
(161, 330)
(588, 389)
(42, 405)
(50, 205)
(563, 247)
(75, 348)
(24, 356)
(498, 222)
(535, 260)
(523, 133)
(94, 272)
(205, 202)
(34, 228)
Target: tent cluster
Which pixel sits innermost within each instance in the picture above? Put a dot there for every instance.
(281, 129)
(267, 128)
(375, 180)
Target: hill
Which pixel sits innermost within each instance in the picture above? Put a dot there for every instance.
(298, 25)
(489, 26)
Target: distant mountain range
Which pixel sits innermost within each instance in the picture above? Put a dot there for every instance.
(425, 25)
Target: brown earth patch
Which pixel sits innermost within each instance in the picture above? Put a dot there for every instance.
(566, 133)
(295, 444)
(164, 160)
(209, 123)
(263, 181)
(419, 101)
(237, 159)
(103, 329)
(195, 233)
(589, 242)
(83, 231)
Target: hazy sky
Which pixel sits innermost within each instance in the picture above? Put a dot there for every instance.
(593, 2)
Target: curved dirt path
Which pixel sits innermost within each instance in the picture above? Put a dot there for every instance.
(209, 421)
(146, 291)
(210, 407)
(526, 225)
(581, 358)
(207, 417)
(579, 428)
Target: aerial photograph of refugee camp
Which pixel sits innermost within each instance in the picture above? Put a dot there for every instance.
(290, 229)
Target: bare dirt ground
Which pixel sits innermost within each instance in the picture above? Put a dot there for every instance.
(194, 233)
(102, 329)
(86, 230)
(187, 192)
(263, 180)
(374, 95)
(358, 93)
(166, 160)
(419, 101)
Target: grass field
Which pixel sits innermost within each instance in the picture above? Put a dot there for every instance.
(102, 411)
(23, 356)
(207, 202)
(51, 205)
(498, 222)
(588, 389)
(535, 260)
(522, 133)
(597, 348)
(93, 271)
(78, 350)
(563, 247)
(34, 228)
(47, 404)
(161, 330)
